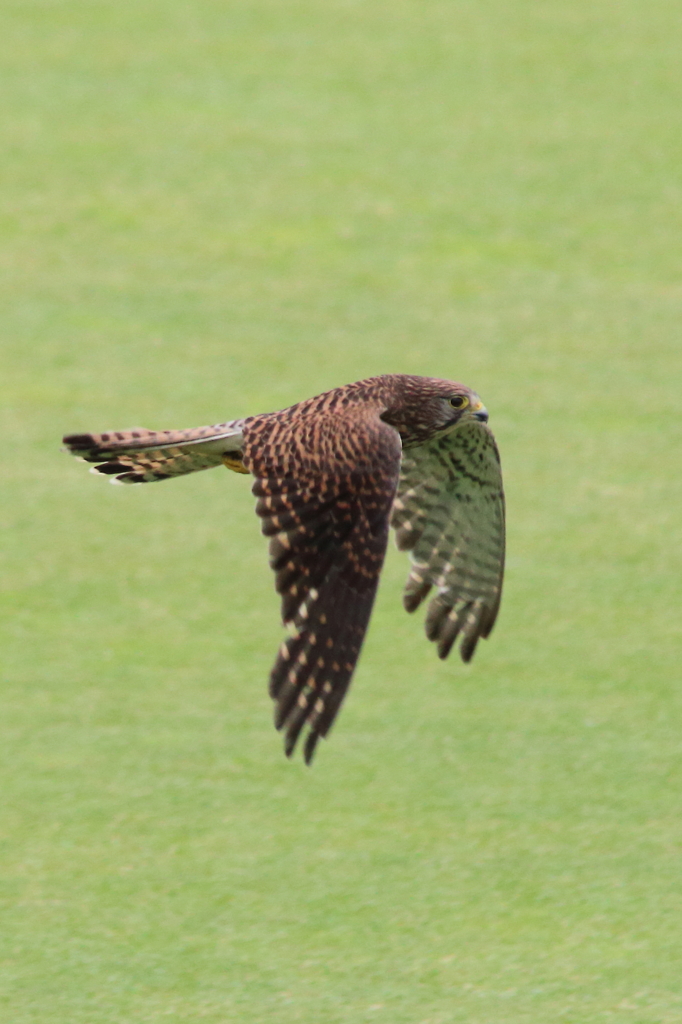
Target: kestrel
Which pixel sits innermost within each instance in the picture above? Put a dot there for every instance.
(331, 474)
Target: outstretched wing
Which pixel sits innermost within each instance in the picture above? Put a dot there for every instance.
(326, 508)
(449, 513)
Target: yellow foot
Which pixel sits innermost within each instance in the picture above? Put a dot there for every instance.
(234, 461)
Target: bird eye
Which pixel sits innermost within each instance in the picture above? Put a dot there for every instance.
(459, 402)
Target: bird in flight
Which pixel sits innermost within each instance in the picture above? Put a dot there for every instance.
(332, 473)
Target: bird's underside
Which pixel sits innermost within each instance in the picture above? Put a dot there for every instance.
(331, 474)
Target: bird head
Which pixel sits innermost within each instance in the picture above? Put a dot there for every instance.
(421, 408)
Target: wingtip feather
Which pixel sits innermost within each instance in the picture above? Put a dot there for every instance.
(309, 748)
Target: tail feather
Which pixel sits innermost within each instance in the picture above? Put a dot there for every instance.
(139, 456)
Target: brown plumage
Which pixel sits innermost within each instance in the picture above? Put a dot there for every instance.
(331, 474)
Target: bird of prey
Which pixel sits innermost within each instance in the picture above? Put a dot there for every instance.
(332, 473)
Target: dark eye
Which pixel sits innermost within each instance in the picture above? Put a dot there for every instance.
(459, 402)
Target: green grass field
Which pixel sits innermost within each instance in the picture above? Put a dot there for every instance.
(212, 209)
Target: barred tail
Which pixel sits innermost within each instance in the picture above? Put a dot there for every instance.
(141, 456)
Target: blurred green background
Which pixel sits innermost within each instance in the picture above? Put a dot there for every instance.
(212, 209)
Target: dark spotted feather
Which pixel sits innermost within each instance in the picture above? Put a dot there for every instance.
(325, 485)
